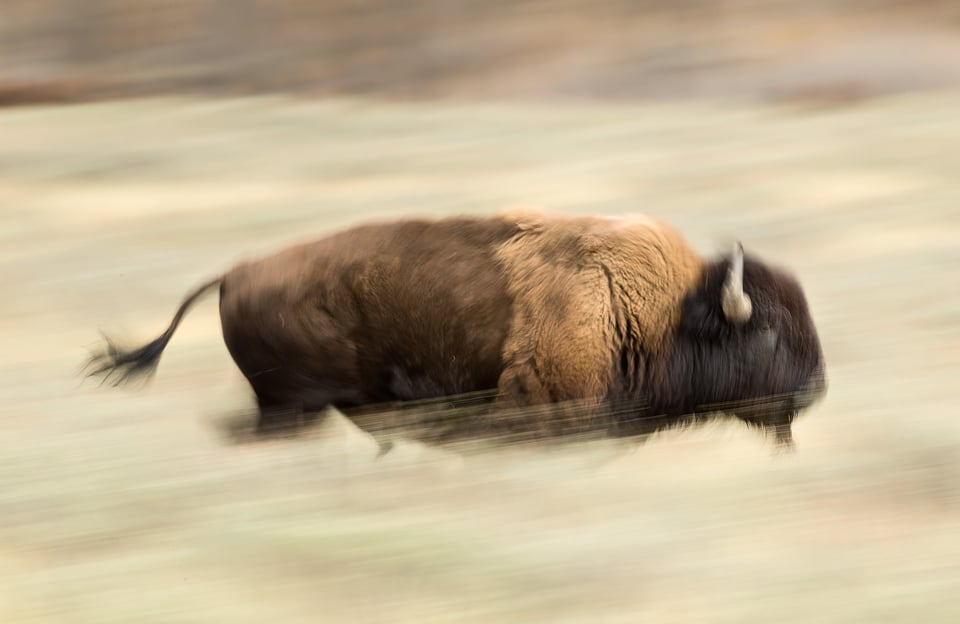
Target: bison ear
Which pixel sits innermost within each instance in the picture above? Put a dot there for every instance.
(736, 303)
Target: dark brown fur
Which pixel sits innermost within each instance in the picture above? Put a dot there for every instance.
(537, 309)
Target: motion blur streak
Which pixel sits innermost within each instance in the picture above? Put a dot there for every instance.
(153, 146)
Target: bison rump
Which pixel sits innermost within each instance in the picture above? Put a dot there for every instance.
(374, 314)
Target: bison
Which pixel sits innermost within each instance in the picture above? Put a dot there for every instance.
(535, 308)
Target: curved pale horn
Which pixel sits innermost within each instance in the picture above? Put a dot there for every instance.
(736, 303)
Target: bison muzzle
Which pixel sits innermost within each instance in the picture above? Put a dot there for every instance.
(536, 309)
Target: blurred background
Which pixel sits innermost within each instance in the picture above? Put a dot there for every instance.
(608, 50)
(147, 146)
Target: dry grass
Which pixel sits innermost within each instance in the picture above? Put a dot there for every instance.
(130, 507)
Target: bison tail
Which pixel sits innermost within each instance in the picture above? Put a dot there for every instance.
(118, 366)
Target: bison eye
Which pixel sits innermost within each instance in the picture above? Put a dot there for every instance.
(767, 336)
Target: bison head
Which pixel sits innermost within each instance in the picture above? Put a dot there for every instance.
(746, 344)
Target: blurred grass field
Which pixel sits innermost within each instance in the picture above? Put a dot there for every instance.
(129, 506)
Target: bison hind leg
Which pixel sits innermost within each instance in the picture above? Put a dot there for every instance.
(282, 419)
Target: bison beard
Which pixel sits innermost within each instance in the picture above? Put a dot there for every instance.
(615, 323)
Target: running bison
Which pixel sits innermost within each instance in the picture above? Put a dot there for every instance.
(537, 309)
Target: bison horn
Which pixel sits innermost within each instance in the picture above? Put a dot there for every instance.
(736, 303)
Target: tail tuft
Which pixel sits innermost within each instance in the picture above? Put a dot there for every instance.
(118, 366)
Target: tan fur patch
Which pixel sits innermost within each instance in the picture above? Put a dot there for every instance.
(585, 288)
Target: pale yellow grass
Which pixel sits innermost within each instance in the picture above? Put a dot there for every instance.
(130, 506)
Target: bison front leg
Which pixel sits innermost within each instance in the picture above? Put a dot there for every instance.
(781, 429)
(521, 404)
(528, 403)
(520, 385)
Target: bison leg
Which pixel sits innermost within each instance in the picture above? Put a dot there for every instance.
(527, 404)
(782, 432)
(279, 419)
(520, 385)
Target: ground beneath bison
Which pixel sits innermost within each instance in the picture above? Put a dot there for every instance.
(131, 506)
